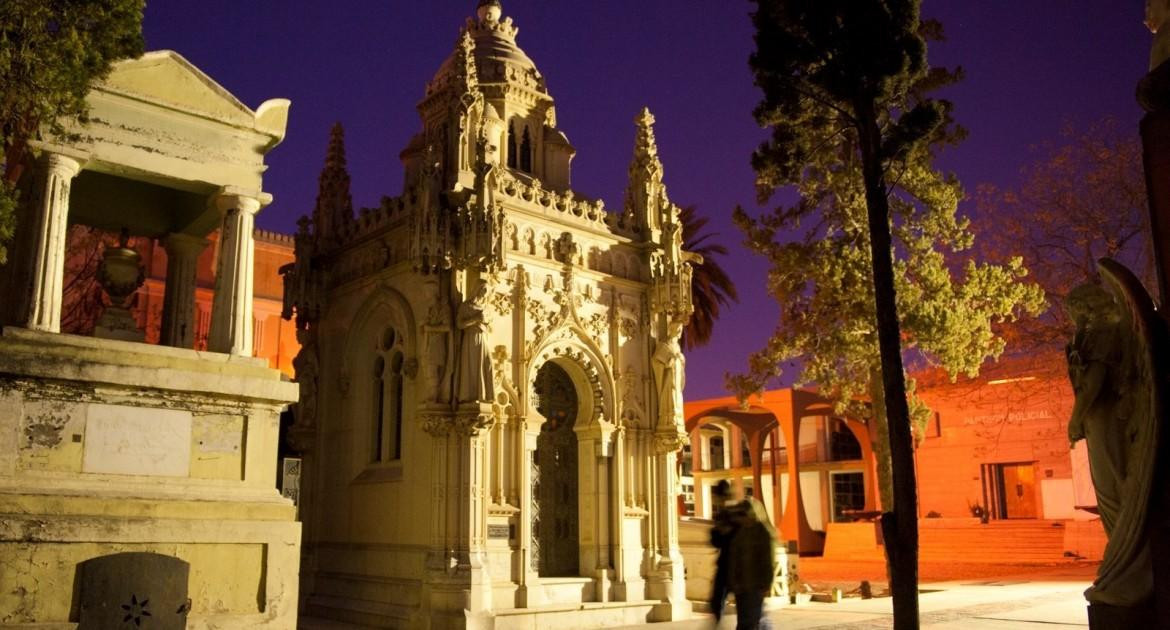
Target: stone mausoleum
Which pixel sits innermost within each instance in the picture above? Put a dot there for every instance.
(491, 379)
(137, 480)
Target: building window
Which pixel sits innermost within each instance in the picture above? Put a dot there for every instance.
(745, 450)
(715, 448)
(688, 498)
(685, 467)
(387, 399)
(848, 495)
(843, 445)
(526, 152)
(511, 145)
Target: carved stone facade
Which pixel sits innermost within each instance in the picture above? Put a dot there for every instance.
(486, 270)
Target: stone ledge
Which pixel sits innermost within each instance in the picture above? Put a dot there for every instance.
(28, 353)
(29, 504)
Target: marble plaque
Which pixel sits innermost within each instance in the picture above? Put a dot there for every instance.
(137, 441)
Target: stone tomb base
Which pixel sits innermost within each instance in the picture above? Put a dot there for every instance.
(109, 447)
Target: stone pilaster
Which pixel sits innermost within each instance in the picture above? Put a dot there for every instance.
(231, 312)
(44, 312)
(178, 318)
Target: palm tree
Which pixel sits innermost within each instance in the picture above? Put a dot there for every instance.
(711, 287)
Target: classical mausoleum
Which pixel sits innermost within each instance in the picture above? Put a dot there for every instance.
(491, 379)
(137, 480)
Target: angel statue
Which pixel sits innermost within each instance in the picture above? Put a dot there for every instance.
(1116, 365)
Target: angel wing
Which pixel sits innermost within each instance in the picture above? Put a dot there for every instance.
(1141, 376)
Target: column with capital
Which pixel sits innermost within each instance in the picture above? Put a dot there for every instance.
(178, 318)
(44, 312)
(231, 310)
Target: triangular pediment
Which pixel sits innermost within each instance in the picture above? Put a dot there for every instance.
(165, 77)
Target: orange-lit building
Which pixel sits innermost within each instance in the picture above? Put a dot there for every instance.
(994, 453)
(272, 337)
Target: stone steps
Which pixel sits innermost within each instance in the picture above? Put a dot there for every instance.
(576, 616)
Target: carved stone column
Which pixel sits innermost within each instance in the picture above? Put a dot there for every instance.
(178, 318)
(528, 578)
(669, 581)
(231, 312)
(457, 574)
(44, 311)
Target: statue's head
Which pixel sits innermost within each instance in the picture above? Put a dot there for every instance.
(1089, 303)
(1156, 13)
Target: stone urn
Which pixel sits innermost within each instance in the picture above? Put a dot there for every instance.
(120, 274)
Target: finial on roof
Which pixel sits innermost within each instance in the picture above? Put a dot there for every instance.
(489, 10)
(645, 144)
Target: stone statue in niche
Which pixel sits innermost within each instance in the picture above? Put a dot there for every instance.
(670, 377)
(474, 383)
(1116, 363)
(436, 332)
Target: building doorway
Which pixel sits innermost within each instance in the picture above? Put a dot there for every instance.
(1010, 490)
(556, 547)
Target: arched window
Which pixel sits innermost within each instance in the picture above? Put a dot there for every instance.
(511, 145)
(388, 399)
(395, 449)
(379, 389)
(526, 152)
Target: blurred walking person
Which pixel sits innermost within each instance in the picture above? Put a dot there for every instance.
(753, 563)
(721, 535)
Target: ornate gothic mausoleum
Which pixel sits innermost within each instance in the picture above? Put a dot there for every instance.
(491, 377)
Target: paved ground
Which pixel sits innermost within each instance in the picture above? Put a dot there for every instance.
(963, 597)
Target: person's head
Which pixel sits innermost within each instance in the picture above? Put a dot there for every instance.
(721, 492)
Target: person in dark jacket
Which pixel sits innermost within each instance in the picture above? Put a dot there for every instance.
(753, 563)
(721, 534)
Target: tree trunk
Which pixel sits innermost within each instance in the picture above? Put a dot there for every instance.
(899, 526)
(880, 434)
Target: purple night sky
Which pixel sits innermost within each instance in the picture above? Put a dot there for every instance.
(1030, 69)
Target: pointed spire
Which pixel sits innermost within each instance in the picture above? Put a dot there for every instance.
(646, 194)
(334, 209)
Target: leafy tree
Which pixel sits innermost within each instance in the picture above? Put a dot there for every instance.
(711, 287)
(1083, 197)
(845, 85)
(50, 53)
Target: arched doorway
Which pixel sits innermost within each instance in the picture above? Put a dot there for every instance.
(555, 525)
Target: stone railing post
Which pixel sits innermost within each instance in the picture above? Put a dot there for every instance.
(178, 317)
(231, 311)
(48, 279)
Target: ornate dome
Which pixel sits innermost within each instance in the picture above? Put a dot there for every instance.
(497, 57)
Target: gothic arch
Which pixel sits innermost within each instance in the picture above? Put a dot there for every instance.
(386, 305)
(585, 367)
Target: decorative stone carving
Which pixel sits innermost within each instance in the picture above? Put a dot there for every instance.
(307, 367)
(437, 352)
(474, 381)
(1117, 368)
